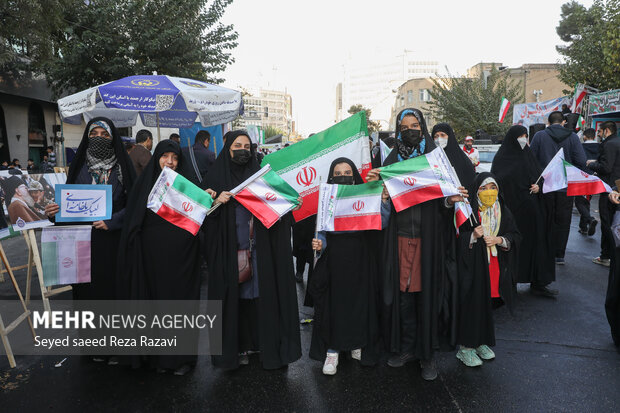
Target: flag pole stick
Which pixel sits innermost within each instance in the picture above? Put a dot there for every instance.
(316, 227)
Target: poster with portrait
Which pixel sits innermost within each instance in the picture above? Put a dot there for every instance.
(24, 198)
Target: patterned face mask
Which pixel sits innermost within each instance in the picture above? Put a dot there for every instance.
(488, 197)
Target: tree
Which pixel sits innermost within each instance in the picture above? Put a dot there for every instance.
(272, 131)
(592, 52)
(25, 42)
(468, 104)
(373, 125)
(104, 40)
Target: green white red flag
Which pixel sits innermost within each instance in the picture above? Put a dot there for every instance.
(581, 183)
(303, 164)
(350, 207)
(503, 110)
(578, 96)
(419, 179)
(266, 195)
(560, 174)
(580, 123)
(178, 201)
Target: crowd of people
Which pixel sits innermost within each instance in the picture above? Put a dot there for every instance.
(400, 294)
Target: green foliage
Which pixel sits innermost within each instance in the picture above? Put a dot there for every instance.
(272, 131)
(104, 40)
(373, 125)
(25, 27)
(592, 52)
(468, 104)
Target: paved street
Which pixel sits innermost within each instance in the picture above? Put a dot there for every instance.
(553, 355)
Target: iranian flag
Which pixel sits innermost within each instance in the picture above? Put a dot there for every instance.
(178, 201)
(384, 149)
(581, 183)
(65, 254)
(419, 179)
(579, 95)
(349, 207)
(580, 123)
(304, 164)
(503, 110)
(560, 174)
(266, 195)
(555, 174)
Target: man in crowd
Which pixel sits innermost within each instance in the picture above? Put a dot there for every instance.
(51, 156)
(607, 167)
(471, 152)
(45, 166)
(31, 167)
(587, 224)
(175, 137)
(15, 168)
(199, 161)
(141, 154)
(545, 144)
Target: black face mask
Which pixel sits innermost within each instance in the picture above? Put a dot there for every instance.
(241, 156)
(411, 137)
(343, 180)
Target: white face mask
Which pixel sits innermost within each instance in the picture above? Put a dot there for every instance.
(522, 142)
(441, 142)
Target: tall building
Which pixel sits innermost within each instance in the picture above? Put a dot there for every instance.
(414, 93)
(373, 81)
(269, 108)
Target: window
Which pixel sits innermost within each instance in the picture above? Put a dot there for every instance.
(425, 96)
(410, 96)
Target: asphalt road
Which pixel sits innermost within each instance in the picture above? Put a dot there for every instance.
(552, 355)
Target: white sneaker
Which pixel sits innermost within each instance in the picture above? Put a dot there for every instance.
(331, 362)
(356, 354)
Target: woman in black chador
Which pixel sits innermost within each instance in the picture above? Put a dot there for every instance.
(158, 260)
(260, 314)
(343, 288)
(102, 160)
(517, 171)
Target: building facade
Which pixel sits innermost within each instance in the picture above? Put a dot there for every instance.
(373, 82)
(414, 93)
(269, 108)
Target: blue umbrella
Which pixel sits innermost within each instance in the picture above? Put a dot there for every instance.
(160, 101)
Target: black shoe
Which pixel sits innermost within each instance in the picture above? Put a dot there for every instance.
(592, 227)
(244, 359)
(583, 231)
(400, 360)
(543, 291)
(429, 371)
(299, 277)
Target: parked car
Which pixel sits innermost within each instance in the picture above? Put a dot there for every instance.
(487, 153)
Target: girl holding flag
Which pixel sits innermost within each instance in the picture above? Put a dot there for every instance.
(343, 287)
(486, 258)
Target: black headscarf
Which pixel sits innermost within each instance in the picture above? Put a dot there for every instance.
(461, 163)
(280, 342)
(129, 246)
(127, 173)
(225, 175)
(514, 166)
(400, 148)
(357, 178)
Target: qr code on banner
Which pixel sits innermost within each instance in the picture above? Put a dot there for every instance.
(163, 102)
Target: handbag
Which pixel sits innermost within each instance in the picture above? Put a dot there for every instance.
(244, 258)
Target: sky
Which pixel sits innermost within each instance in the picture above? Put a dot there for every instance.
(302, 45)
